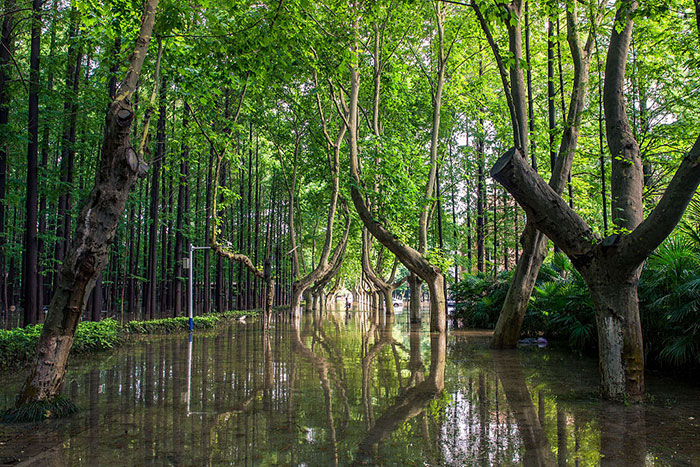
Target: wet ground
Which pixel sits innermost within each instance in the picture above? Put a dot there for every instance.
(348, 388)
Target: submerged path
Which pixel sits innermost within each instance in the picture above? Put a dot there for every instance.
(347, 388)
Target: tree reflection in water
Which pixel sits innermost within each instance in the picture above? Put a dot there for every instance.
(413, 400)
(340, 389)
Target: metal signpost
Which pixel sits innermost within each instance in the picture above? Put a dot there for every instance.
(190, 264)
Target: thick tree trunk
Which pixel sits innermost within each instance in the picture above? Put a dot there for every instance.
(118, 170)
(308, 301)
(620, 347)
(438, 315)
(610, 266)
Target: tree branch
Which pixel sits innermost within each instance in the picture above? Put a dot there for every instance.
(544, 207)
(638, 245)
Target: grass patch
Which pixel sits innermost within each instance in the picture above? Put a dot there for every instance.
(40, 410)
(17, 346)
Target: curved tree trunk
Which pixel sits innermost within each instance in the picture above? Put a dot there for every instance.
(413, 259)
(118, 170)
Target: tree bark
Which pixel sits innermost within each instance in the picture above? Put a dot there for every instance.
(533, 242)
(119, 168)
(611, 266)
(6, 47)
(31, 256)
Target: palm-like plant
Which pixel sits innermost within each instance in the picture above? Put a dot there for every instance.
(670, 298)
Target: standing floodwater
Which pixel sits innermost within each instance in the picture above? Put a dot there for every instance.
(347, 388)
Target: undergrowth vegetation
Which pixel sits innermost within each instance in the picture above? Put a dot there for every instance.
(561, 308)
(17, 345)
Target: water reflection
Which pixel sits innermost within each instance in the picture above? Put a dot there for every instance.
(528, 420)
(412, 401)
(342, 389)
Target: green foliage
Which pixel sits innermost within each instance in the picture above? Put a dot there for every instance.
(17, 346)
(561, 308)
(669, 293)
(231, 314)
(94, 336)
(168, 325)
(39, 410)
(479, 299)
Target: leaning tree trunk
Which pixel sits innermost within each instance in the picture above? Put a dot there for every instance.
(515, 304)
(413, 259)
(535, 243)
(119, 168)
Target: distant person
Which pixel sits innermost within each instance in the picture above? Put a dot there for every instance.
(348, 303)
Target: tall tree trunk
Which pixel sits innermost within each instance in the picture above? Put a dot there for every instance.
(152, 276)
(219, 299)
(480, 198)
(70, 108)
(326, 262)
(44, 167)
(31, 258)
(530, 102)
(551, 93)
(119, 168)
(207, 231)
(165, 228)
(6, 47)
(601, 137)
(413, 259)
(180, 222)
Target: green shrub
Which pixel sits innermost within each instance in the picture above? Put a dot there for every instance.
(240, 313)
(168, 325)
(561, 307)
(17, 346)
(669, 294)
(479, 298)
(92, 336)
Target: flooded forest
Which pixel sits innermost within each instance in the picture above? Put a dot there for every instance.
(293, 232)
